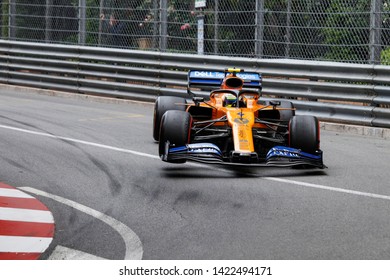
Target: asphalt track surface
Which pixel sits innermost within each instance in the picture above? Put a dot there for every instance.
(95, 166)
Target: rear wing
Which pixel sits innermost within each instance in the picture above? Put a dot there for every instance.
(202, 78)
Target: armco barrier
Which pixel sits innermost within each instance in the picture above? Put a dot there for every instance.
(338, 92)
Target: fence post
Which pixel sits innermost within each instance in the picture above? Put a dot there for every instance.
(155, 24)
(375, 31)
(259, 33)
(48, 20)
(12, 19)
(216, 26)
(82, 21)
(288, 29)
(164, 24)
(101, 12)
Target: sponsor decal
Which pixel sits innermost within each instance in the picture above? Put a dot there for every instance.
(203, 148)
(241, 121)
(221, 75)
(207, 74)
(249, 76)
(283, 152)
(203, 151)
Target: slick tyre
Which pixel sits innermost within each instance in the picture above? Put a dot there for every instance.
(163, 104)
(288, 112)
(288, 108)
(175, 128)
(304, 133)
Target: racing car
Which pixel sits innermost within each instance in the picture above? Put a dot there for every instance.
(233, 126)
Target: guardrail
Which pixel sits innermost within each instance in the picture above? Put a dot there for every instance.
(338, 92)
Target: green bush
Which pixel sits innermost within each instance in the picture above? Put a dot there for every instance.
(385, 57)
(347, 30)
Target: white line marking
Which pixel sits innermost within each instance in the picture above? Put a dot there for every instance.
(20, 244)
(333, 189)
(133, 244)
(64, 253)
(13, 193)
(25, 215)
(80, 141)
(287, 181)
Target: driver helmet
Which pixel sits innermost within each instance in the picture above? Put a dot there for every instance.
(230, 99)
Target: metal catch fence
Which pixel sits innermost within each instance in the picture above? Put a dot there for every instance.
(337, 92)
(356, 31)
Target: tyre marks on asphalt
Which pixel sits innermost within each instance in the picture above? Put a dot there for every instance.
(26, 225)
(133, 244)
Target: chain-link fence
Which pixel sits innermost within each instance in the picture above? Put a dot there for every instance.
(336, 30)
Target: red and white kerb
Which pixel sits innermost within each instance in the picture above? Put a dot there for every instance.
(26, 225)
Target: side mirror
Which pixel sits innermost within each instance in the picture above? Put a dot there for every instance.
(275, 103)
(197, 100)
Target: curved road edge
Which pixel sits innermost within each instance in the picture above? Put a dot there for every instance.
(133, 244)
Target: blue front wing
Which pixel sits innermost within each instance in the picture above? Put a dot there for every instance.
(278, 156)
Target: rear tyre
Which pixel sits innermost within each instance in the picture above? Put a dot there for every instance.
(163, 104)
(286, 115)
(304, 133)
(175, 128)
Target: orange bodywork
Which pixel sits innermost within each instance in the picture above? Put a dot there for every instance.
(239, 105)
(240, 119)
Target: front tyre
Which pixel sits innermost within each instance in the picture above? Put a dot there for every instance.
(175, 129)
(304, 133)
(163, 104)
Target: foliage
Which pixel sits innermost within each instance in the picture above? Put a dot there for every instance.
(31, 20)
(385, 56)
(4, 19)
(92, 23)
(385, 53)
(182, 25)
(386, 23)
(235, 30)
(336, 30)
(347, 32)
